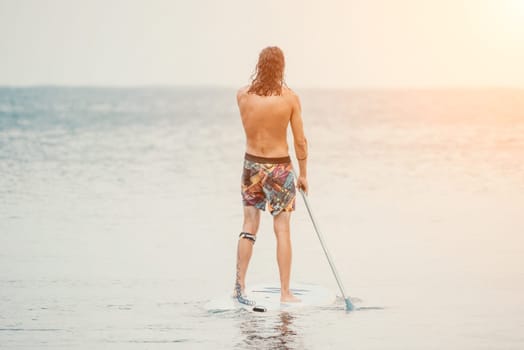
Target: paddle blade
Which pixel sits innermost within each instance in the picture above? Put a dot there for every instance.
(349, 305)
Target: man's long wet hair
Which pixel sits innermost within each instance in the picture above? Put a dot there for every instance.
(268, 77)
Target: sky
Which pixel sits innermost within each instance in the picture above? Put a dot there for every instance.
(329, 43)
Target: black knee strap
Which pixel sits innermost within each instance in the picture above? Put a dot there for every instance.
(249, 236)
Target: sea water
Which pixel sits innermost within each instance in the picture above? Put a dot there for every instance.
(120, 211)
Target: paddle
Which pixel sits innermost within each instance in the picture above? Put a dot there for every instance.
(349, 305)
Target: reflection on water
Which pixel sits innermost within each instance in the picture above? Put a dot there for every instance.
(272, 331)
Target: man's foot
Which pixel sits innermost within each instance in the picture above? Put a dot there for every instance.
(289, 298)
(238, 290)
(241, 297)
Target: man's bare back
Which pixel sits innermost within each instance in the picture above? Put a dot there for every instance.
(265, 120)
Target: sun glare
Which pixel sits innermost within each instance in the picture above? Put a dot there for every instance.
(514, 10)
(503, 21)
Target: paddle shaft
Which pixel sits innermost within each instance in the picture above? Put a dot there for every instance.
(349, 306)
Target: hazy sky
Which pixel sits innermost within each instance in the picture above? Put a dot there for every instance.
(328, 43)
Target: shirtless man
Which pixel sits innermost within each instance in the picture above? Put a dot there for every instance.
(267, 107)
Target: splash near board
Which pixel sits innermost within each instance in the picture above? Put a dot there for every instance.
(267, 298)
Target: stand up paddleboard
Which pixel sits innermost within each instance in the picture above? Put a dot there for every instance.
(267, 298)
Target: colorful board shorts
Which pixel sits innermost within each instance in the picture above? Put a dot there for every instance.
(268, 180)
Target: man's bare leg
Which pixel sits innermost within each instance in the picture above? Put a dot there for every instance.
(245, 247)
(282, 233)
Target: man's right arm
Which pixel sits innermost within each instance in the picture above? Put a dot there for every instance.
(300, 142)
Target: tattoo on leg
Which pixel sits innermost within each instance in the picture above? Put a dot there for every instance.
(238, 289)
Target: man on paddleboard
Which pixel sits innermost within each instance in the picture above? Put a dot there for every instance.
(267, 106)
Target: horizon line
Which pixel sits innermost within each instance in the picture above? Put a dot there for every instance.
(222, 86)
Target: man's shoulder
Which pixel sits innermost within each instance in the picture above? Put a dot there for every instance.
(290, 94)
(242, 91)
(287, 91)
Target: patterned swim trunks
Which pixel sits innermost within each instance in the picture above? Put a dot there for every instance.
(268, 180)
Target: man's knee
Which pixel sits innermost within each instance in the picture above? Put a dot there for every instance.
(251, 220)
(282, 234)
(281, 223)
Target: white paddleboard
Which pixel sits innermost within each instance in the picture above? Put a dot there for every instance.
(267, 297)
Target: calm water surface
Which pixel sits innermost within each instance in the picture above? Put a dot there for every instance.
(120, 211)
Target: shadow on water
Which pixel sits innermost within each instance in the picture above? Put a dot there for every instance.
(340, 305)
(271, 331)
(356, 301)
(369, 308)
(357, 308)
